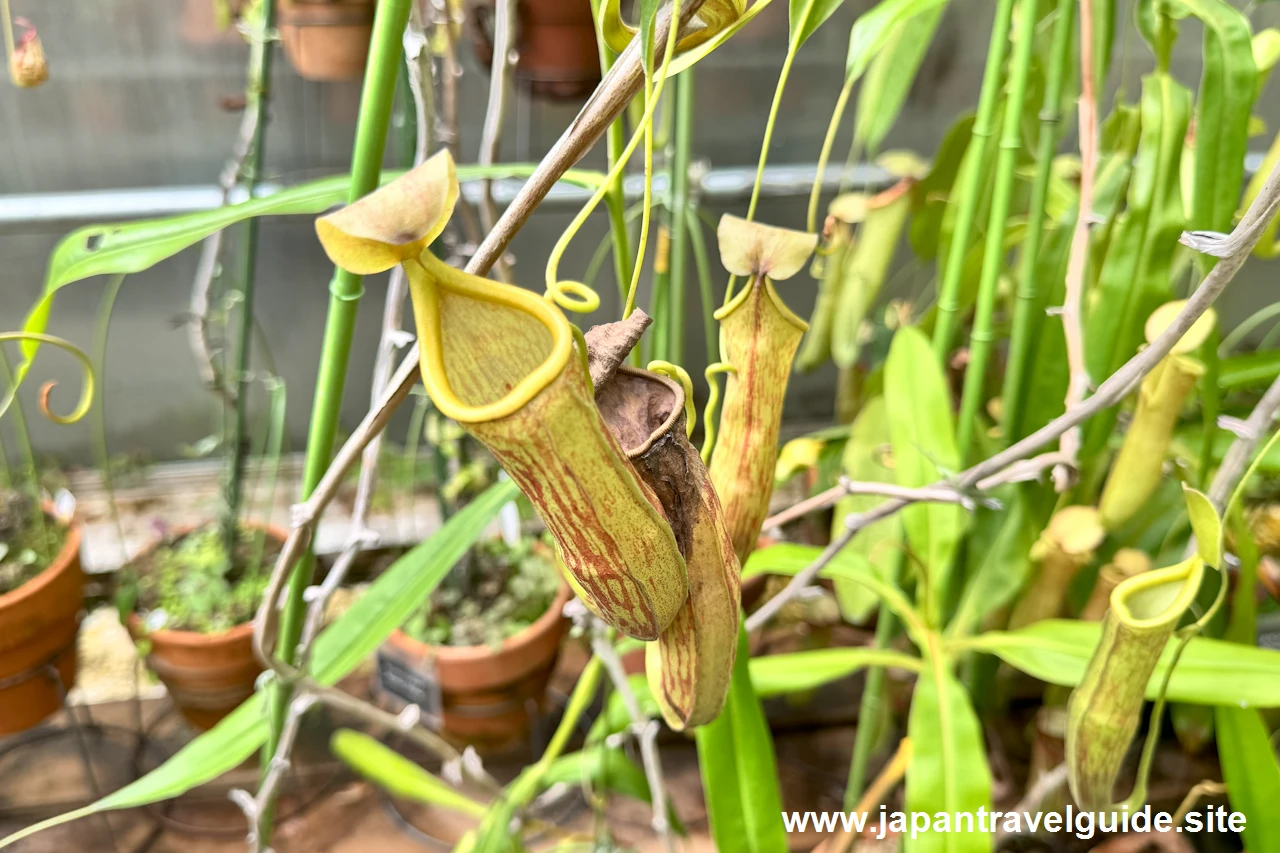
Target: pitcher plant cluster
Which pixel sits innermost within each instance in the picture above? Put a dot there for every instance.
(1043, 476)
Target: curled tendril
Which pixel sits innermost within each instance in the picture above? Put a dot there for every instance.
(680, 375)
(713, 402)
(556, 289)
(86, 393)
(572, 296)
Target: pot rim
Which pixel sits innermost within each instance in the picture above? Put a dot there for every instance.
(464, 654)
(66, 555)
(196, 639)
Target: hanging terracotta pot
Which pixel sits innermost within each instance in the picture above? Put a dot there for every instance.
(326, 40)
(556, 44)
(207, 675)
(487, 697)
(38, 625)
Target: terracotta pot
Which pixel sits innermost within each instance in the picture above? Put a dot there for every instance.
(487, 697)
(207, 675)
(326, 40)
(556, 43)
(38, 625)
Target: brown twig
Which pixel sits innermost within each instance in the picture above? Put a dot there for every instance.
(1078, 381)
(211, 250)
(1242, 449)
(643, 728)
(846, 487)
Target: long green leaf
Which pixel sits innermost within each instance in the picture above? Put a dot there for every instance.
(880, 543)
(1057, 651)
(948, 772)
(879, 32)
(777, 675)
(338, 650)
(739, 774)
(805, 16)
(398, 775)
(924, 451)
(1250, 369)
(132, 247)
(1251, 772)
(1228, 83)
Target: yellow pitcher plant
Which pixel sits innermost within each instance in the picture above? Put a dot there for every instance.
(759, 336)
(1138, 467)
(505, 364)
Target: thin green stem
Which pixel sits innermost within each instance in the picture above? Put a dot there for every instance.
(258, 97)
(705, 288)
(764, 148)
(1026, 322)
(980, 339)
(833, 127)
(615, 200)
(584, 692)
(680, 162)
(23, 438)
(345, 292)
(652, 95)
(101, 326)
(970, 181)
(271, 458)
(872, 704)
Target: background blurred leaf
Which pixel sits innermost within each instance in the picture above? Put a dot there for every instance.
(1057, 651)
(924, 451)
(948, 771)
(739, 773)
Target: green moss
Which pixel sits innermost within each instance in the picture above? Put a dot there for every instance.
(191, 585)
(497, 591)
(28, 541)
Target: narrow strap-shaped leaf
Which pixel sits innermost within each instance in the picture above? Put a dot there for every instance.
(132, 247)
(948, 773)
(924, 450)
(739, 773)
(1058, 650)
(1251, 772)
(806, 16)
(1227, 88)
(893, 71)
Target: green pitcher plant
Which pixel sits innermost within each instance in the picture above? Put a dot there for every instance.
(759, 336)
(1065, 547)
(1105, 709)
(505, 364)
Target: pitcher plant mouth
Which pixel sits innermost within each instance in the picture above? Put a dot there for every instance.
(437, 281)
(500, 361)
(1158, 598)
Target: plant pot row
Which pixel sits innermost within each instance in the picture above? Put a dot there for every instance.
(487, 695)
